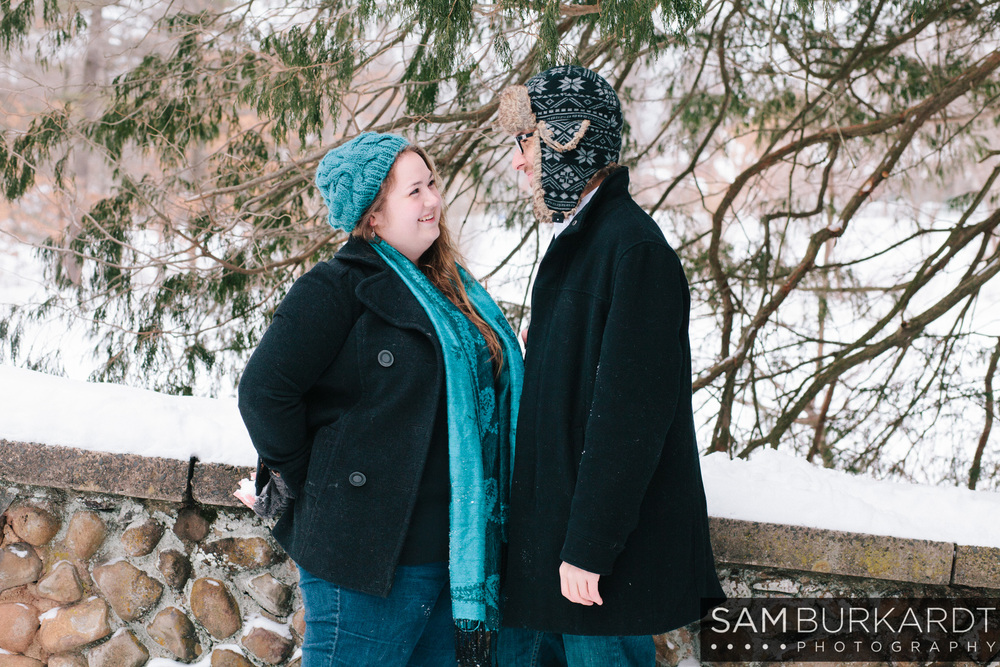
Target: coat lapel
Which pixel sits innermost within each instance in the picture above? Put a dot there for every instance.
(386, 296)
(384, 292)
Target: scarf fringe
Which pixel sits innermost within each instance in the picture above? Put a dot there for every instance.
(475, 646)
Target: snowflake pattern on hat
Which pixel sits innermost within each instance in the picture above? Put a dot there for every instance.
(586, 156)
(571, 83)
(536, 85)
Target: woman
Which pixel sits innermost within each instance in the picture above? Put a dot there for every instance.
(383, 399)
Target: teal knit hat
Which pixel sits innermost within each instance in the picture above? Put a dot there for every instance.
(350, 175)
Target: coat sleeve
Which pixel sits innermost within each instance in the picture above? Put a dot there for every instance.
(635, 398)
(308, 331)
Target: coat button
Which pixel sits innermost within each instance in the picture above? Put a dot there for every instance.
(385, 358)
(357, 479)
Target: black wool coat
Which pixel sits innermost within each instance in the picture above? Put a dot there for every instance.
(341, 398)
(606, 472)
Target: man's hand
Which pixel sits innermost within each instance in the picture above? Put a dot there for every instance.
(578, 585)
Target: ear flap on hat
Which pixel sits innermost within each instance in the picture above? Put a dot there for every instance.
(515, 114)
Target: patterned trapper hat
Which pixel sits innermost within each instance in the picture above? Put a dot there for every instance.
(577, 118)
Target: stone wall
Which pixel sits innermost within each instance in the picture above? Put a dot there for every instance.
(123, 561)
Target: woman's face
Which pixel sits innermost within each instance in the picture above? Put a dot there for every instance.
(409, 219)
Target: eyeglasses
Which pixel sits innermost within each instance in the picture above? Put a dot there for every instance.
(522, 137)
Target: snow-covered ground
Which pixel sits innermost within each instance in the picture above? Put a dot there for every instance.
(770, 487)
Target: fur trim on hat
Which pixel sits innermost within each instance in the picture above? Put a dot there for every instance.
(515, 115)
(541, 211)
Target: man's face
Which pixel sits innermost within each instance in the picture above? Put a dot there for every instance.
(524, 157)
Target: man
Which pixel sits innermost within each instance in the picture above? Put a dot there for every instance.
(608, 538)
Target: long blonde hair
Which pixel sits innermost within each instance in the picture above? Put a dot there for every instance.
(439, 261)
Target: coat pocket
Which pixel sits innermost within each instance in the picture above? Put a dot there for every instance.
(361, 500)
(326, 443)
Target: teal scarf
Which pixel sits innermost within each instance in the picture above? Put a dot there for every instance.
(482, 415)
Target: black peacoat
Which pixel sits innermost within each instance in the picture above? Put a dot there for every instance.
(340, 397)
(606, 472)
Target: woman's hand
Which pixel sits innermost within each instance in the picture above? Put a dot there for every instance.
(578, 585)
(246, 494)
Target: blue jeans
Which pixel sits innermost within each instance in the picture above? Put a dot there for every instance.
(529, 648)
(410, 628)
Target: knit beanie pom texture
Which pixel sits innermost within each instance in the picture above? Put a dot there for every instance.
(350, 175)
